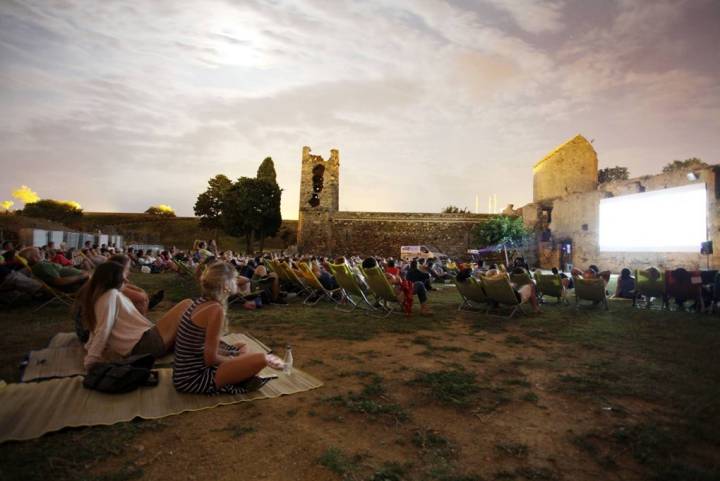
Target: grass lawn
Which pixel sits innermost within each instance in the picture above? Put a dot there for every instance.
(587, 394)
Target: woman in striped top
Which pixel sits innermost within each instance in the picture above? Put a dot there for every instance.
(203, 364)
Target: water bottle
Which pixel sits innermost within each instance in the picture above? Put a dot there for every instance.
(288, 360)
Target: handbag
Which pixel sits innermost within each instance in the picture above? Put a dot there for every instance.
(123, 376)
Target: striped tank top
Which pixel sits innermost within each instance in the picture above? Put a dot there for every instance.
(190, 374)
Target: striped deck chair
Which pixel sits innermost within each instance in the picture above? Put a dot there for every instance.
(590, 290)
(551, 285)
(498, 289)
(521, 279)
(65, 298)
(316, 287)
(472, 292)
(381, 289)
(350, 288)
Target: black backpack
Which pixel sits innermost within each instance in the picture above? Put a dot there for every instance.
(124, 376)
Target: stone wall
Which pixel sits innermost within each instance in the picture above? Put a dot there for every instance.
(576, 217)
(382, 233)
(570, 168)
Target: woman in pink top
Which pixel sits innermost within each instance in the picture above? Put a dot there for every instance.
(116, 327)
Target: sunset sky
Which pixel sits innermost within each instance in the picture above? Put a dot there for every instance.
(120, 105)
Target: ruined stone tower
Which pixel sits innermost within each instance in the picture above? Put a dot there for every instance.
(570, 168)
(319, 201)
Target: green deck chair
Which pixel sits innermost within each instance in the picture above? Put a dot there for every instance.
(498, 289)
(551, 285)
(590, 290)
(381, 289)
(521, 279)
(649, 286)
(350, 288)
(472, 292)
(316, 287)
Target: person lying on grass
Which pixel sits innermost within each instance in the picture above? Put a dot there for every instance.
(202, 363)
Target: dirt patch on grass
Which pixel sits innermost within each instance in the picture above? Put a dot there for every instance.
(452, 396)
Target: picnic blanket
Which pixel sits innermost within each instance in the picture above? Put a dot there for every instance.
(29, 410)
(64, 356)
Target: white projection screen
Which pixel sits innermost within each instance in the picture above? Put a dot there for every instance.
(668, 220)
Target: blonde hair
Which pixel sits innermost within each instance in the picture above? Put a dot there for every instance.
(217, 282)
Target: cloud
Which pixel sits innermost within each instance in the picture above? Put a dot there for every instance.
(533, 16)
(100, 97)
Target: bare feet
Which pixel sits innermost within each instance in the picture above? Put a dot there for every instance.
(274, 362)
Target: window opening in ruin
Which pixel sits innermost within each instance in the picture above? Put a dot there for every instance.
(547, 215)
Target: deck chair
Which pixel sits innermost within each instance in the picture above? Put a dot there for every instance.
(57, 295)
(590, 290)
(499, 290)
(472, 292)
(521, 279)
(650, 283)
(292, 281)
(382, 290)
(350, 288)
(679, 286)
(316, 287)
(184, 269)
(551, 285)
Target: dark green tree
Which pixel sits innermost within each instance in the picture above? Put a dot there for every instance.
(453, 209)
(272, 218)
(266, 171)
(53, 210)
(687, 164)
(248, 210)
(503, 231)
(608, 174)
(209, 204)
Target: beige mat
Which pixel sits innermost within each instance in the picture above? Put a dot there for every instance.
(64, 356)
(29, 410)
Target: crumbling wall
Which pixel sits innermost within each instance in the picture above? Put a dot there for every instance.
(570, 168)
(314, 232)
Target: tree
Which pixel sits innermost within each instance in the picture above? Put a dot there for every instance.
(161, 210)
(209, 204)
(503, 231)
(63, 212)
(452, 209)
(266, 171)
(247, 210)
(687, 164)
(609, 174)
(270, 204)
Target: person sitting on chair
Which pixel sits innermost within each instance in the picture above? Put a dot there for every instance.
(525, 293)
(625, 285)
(592, 272)
(66, 279)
